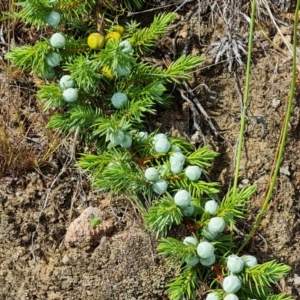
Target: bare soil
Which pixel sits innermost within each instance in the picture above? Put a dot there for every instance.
(45, 255)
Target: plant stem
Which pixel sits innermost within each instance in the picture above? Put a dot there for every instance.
(283, 136)
(245, 101)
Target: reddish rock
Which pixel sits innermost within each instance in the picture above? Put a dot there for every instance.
(80, 232)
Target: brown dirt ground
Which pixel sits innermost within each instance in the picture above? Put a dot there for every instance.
(37, 204)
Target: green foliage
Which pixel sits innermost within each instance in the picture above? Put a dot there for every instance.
(185, 285)
(223, 243)
(131, 182)
(279, 297)
(143, 39)
(118, 167)
(85, 73)
(198, 188)
(176, 251)
(96, 164)
(136, 159)
(174, 70)
(162, 215)
(34, 12)
(30, 57)
(34, 57)
(234, 205)
(113, 56)
(139, 86)
(95, 222)
(51, 96)
(256, 280)
(261, 276)
(202, 157)
(78, 117)
(132, 4)
(164, 212)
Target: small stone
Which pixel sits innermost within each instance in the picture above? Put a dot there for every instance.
(245, 181)
(65, 259)
(285, 170)
(81, 231)
(105, 203)
(296, 279)
(276, 103)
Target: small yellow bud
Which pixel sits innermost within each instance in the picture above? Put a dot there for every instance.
(96, 41)
(120, 29)
(114, 35)
(107, 73)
